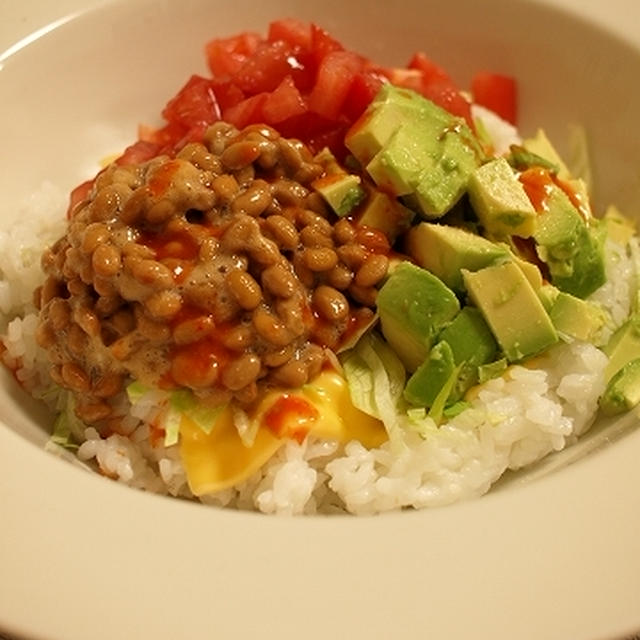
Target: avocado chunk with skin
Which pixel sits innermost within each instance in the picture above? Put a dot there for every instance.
(512, 310)
(445, 251)
(623, 390)
(572, 249)
(500, 201)
(465, 343)
(623, 346)
(572, 317)
(429, 378)
(413, 306)
(411, 147)
(341, 192)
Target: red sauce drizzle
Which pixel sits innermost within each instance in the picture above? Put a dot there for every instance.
(162, 177)
(290, 416)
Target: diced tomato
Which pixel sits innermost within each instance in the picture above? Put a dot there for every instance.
(77, 195)
(431, 72)
(496, 92)
(225, 56)
(362, 91)
(246, 112)
(264, 70)
(295, 32)
(283, 103)
(322, 44)
(227, 94)
(194, 104)
(138, 152)
(335, 75)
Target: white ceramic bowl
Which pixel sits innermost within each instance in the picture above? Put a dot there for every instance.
(81, 557)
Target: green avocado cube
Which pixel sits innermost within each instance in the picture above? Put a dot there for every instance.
(381, 211)
(445, 251)
(512, 309)
(500, 201)
(425, 384)
(413, 306)
(623, 346)
(623, 390)
(572, 249)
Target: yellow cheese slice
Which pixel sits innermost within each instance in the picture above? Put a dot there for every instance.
(220, 459)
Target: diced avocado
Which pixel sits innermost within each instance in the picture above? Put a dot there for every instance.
(388, 110)
(427, 381)
(623, 390)
(492, 370)
(465, 343)
(445, 251)
(623, 346)
(573, 317)
(472, 344)
(384, 213)
(572, 249)
(342, 192)
(500, 201)
(413, 306)
(411, 147)
(512, 309)
(619, 228)
(530, 270)
(521, 159)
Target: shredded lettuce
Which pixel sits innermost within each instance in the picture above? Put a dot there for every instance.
(67, 428)
(172, 407)
(376, 378)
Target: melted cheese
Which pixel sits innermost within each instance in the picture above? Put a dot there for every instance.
(220, 459)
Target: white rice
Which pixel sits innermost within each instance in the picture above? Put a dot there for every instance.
(512, 422)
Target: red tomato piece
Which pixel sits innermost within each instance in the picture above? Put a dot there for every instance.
(227, 94)
(225, 56)
(322, 43)
(266, 68)
(335, 75)
(78, 194)
(295, 32)
(194, 104)
(431, 72)
(246, 112)
(496, 92)
(139, 151)
(283, 103)
(362, 91)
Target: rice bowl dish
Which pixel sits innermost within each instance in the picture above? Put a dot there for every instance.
(580, 518)
(131, 418)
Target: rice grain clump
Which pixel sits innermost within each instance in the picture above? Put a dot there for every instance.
(355, 320)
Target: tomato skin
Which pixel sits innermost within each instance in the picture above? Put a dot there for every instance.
(264, 70)
(335, 75)
(194, 104)
(362, 91)
(246, 112)
(225, 56)
(496, 92)
(295, 32)
(431, 72)
(283, 103)
(322, 44)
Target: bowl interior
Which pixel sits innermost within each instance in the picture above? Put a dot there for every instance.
(76, 96)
